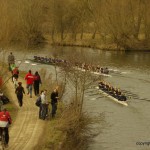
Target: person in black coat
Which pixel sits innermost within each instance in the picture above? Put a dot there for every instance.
(37, 82)
(20, 91)
(54, 100)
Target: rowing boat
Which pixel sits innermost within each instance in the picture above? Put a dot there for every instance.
(112, 98)
(96, 73)
(103, 74)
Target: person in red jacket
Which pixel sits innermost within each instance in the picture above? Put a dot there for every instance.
(5, 120)
(29, 80)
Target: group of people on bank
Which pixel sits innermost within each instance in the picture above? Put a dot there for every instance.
(115, 92)
(31, 81)
(43, 103)
(34, 81)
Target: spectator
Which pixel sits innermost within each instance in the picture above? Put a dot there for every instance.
(37, 82)
(44, 104)
(54, 100)
(11, 59)
(20, 91)
(29, 80)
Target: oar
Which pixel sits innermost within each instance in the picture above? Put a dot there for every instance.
(97, 97)
(143, 99)
(89, 91)
(129, 93)
(93, 94)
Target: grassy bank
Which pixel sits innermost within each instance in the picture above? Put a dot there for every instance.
(70, 130)
(12, 108)
(86, 41)
(5, 74)
(98, 42)
(52, 137)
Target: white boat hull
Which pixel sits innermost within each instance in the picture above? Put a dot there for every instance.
(96, 73)
(114, 99)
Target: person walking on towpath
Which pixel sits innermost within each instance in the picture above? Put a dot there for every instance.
(15, 76)
(11, 60)
(20, 91)
(29, 80)
(54, 100)
(37, 82)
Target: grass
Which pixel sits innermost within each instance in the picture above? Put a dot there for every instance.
(53, 137)
(13, 110)
(11, 107)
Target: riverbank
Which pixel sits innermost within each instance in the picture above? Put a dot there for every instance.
(99, 43)
(11, 107)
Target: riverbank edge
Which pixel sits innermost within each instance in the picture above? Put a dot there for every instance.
(106, 48)
(53, 137)
(11, 107)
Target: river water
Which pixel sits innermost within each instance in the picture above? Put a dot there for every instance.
(126, 127)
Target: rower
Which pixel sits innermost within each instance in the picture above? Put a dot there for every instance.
(93, 68)
(106, 71)
(105, 87)
(45, 59)
(123, 98)
(97, 68)
(118, 92)
(35, 58)
(101, 85)
(83, 66)
(102, 70)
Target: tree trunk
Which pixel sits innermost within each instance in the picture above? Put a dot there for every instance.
(94, 34)
(52, 35)
(81, 37)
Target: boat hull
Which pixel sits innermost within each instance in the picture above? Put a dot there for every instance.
(112, 98)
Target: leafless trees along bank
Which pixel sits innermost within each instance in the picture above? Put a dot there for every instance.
(124, 23)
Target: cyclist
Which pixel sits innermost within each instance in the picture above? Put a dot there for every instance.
(5, 120)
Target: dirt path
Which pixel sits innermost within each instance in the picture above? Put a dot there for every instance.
(26, 130)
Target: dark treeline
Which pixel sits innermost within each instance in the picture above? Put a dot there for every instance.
(123, 23)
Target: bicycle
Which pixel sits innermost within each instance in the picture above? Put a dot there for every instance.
(2, 142)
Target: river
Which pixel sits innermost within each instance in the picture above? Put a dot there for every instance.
(126, 127)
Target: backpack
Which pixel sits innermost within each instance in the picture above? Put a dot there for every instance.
(38, 101)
